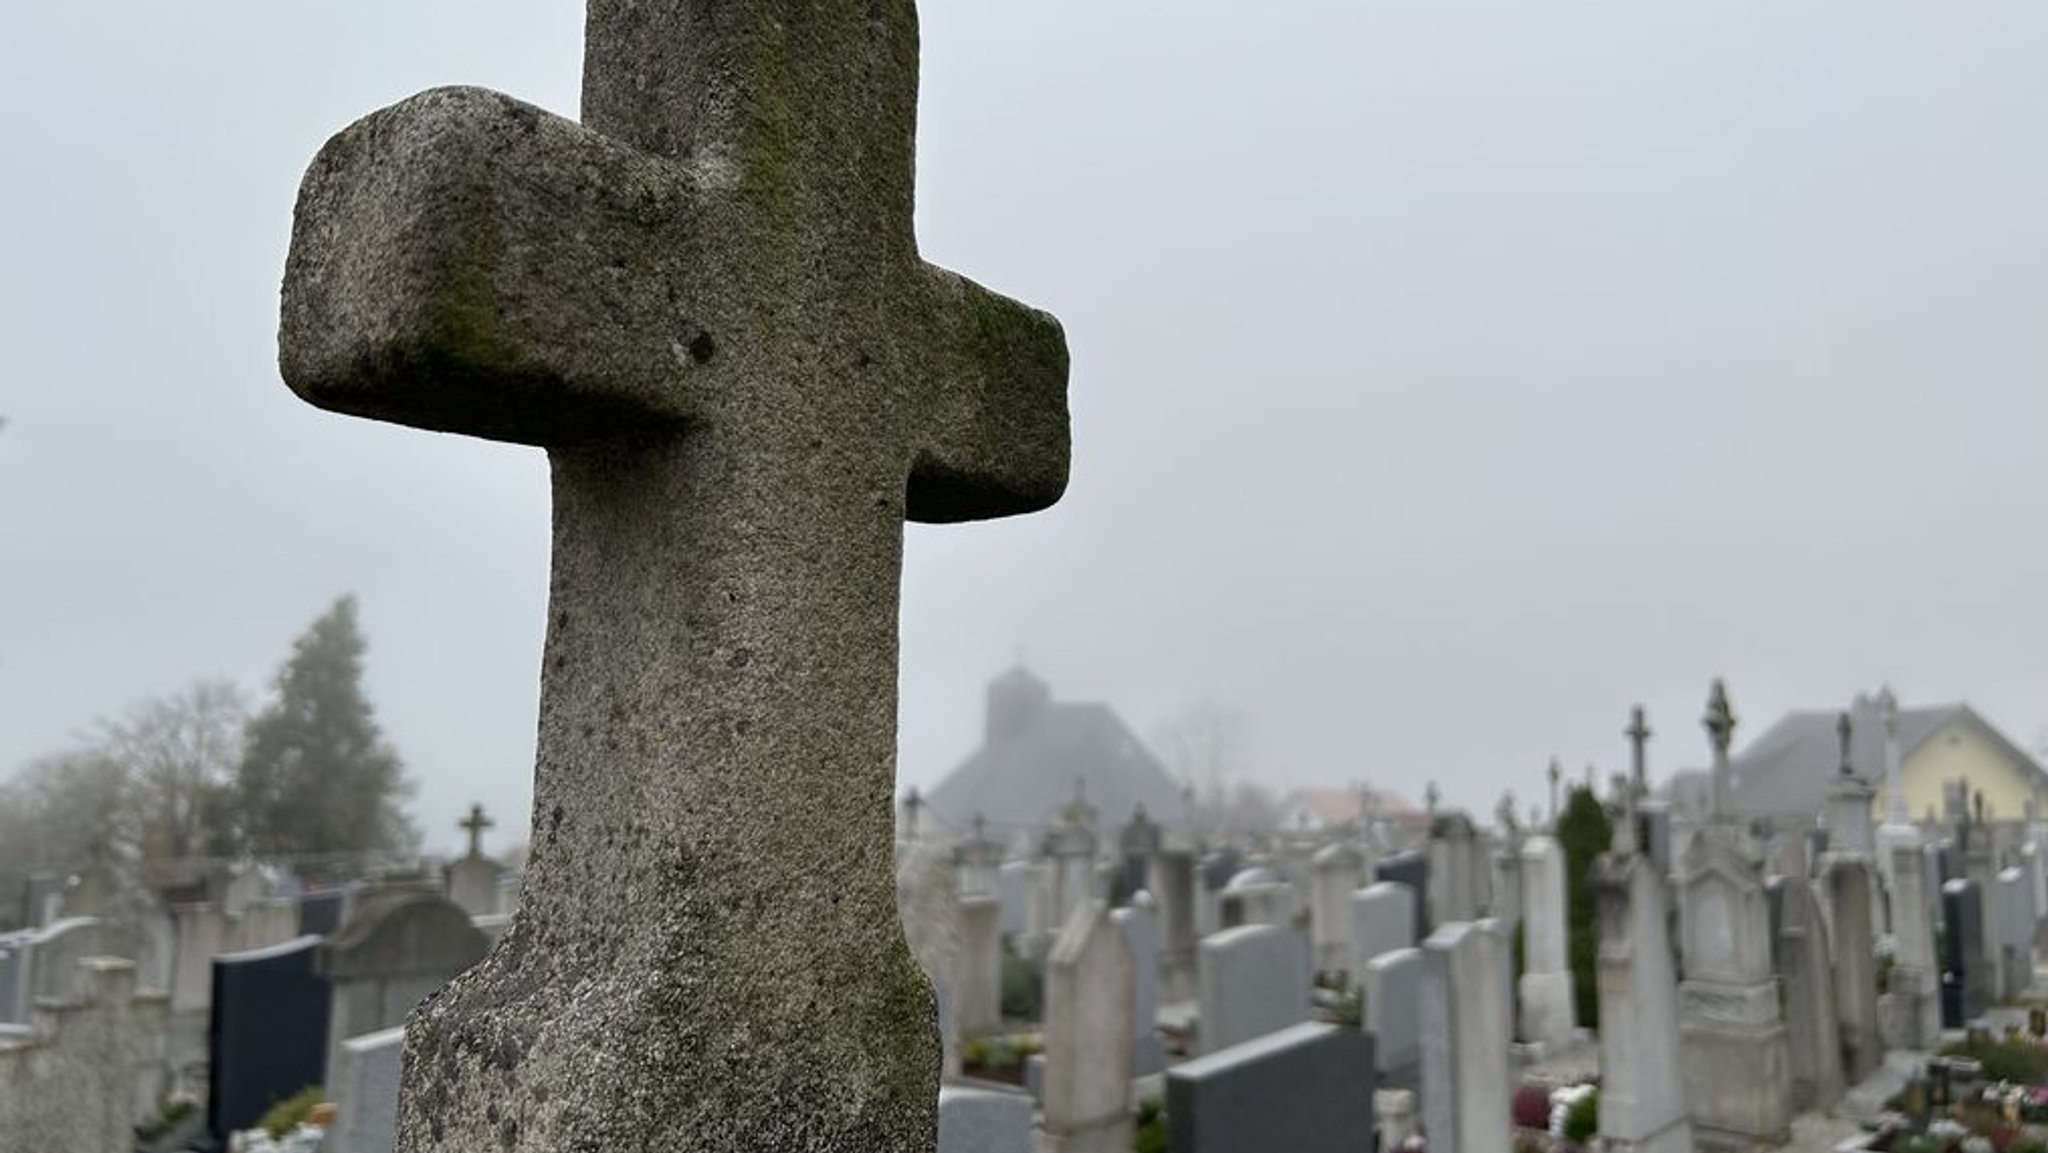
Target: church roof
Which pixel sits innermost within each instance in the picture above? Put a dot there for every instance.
(1034, 750)
(1789, 768)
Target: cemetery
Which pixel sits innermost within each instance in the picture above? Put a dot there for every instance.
(729, 925)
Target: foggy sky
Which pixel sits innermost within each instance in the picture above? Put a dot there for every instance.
(1446, 376)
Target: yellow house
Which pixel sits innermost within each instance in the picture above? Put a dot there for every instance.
(1785, 774)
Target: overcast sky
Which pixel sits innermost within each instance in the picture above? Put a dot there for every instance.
(1447, 376)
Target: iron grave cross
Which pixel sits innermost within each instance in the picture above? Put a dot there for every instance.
(707, 304)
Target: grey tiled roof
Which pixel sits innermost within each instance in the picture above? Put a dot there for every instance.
(1018, 779)
(1789, 768)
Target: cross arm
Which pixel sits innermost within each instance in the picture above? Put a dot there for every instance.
(996, 440)
(465, 262)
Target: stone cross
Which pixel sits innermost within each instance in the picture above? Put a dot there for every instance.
(706, 303)
(474, 825)
(1430, 798)
(1845, 732)
(1720, 726)
(1638, 734)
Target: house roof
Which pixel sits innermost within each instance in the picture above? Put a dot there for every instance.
(1033, 751)
(1789, 767)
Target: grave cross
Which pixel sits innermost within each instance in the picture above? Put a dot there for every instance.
(1845, 732)
(706, 303)
(1556, 779)
(474, 825)
(1638, 734)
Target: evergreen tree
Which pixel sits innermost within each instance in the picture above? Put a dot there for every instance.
(316, 776)
(1583, 832)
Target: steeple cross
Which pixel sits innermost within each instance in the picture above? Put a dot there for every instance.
(706, 302)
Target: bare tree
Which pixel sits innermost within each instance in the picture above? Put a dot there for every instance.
(178, 754)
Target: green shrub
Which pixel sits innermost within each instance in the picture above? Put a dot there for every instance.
(1151, 1131)
(1350, 1010)
(1023, 988)
(2021, 1062)
(1582, 1120)
(1583, 832)
(285, 1116)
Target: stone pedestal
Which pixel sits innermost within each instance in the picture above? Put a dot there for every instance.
(1642, 1100)
(1913, 995)
(1734, 1050)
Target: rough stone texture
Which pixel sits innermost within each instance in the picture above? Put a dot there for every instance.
(89, 1069)
(1965, 983)
(267, 1032)
(1393, 1015)
(396, 948)
(1335, 873)
(1140, 925)
(1467, 1024)
(976, 1120)
(363, 1084)
(1850, 885)
(707, 303)
(1089, 990)
(1913, 995)
(1304, 1089)
(1812, 1025)
(1410, 869)
(1171, 881)
(978, 969)
(1548, 999)
(1642, 1097)
(1254, 980)
(1382, 920)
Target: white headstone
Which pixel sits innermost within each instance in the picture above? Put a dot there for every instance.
(1140, 925)
(1393, 1014)
(1336, 872)
(1382, 920)
(1642, 1098)
(1253, 980)
(1089, 987)
(1549, 1000)
(364, 1089)
(1466, 1028)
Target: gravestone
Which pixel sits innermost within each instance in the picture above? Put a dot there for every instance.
(1913, 992)
(89, 1070)
(1071, 845)
(1965, 984)
(979, 859)
(1140, 925)
(473, 880)
(979, 975)
(707, 304)
(1336, 872)
(1806, 969)
(1546, 990)
(1454, 867)
(1015, 882)
(1737, 1067)
(978, 1120)
(1257, 896)
(1139, 842)
(1382, 920)
(363, 1084)
(1467, 1024)
(2015, 911)
(1172, 883)
(397, 946)
(1410, 869)
(1642, 1093)
(48, 961)
(1393, 1015)
(1304, 1089)
(1850, 885)
(1089, 991)
(1254, 980)
(266, 1033)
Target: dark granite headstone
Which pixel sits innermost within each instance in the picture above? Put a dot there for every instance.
(267, 1032)
(1964, 987)
(320, 911)
(1305, 1089)
(1410, 869)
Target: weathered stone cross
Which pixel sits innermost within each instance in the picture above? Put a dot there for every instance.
(475, 824)
(1638, 734)
(1719, 722)
(707, 304)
